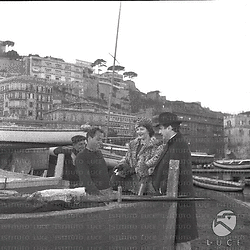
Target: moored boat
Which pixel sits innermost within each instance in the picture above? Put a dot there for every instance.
(31, 137)
(217, 184)
(196, 157)
(232, 164)
(201, 158)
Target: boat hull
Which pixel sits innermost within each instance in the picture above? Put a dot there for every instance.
(20, 138)
(197, 158)
(218, 185)
(226, 165)
(140, 225)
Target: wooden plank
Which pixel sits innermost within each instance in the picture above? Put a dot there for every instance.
(36, 182)
(59, 165)
(172, 191)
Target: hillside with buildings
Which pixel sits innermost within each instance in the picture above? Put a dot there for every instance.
(47, 91)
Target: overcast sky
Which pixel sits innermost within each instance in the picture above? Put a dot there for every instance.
(188, 50)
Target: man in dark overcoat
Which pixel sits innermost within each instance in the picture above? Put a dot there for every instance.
(177, 150)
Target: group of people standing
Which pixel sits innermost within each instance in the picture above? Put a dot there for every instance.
(144, 169)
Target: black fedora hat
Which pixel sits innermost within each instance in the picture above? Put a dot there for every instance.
(167, 119)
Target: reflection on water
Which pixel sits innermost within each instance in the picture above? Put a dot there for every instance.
(243, 196)
(246, 194)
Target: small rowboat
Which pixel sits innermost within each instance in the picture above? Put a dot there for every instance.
(232, 164)
(218, 185)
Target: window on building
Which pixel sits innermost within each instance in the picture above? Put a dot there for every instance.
(30, 113)
(31, 104)
(241, 132)
(229, 123)
(58, 65)
(102, 96)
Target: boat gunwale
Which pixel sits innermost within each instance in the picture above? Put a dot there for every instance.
(217, 187)
(41, 129)
(218, 182)
(231, 166)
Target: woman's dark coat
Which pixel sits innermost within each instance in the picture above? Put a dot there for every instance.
(177, 149)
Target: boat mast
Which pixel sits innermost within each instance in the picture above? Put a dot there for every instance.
(113, 70)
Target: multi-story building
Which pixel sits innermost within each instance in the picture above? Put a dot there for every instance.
(202, 127)
(52, 68)
(25, 97)
(75, 77)
(56, 69)
(93, 114)
(237, 132)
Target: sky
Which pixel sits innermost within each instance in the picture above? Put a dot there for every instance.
(191, 51)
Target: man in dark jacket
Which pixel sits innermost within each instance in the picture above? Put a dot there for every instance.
(177, 150)
(69, 169)
(91, 166)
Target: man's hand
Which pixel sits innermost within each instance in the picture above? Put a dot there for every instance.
(118, 168)
(150, 171)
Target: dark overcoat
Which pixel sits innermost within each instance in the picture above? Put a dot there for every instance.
(177, 149)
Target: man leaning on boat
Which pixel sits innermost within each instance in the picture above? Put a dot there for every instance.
(69, 169)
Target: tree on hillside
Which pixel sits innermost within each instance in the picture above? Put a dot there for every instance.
(99, 63)
(33, 55)
(12, 54)
(87, 72)
(130, 74)
(8, 43)
(117, 68)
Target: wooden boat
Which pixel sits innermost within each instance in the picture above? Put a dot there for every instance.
(27, 183)
(125, 225)
(126, 222)
(232, 164)
(25, 137)
(201, 158)
(218, 185)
